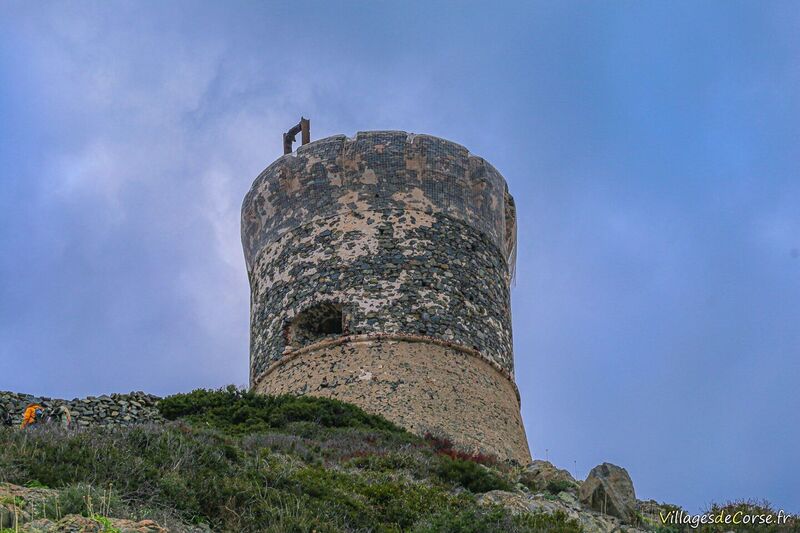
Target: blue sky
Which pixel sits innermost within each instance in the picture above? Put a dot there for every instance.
(652, 148)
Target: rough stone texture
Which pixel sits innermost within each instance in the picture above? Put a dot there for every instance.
(609, 489)
(415, 383)
(540, 474)
(113, 410)
(81, 524)
(21, 509)
(422, 275)
(591, 521)
(405, 235)
(377, 171)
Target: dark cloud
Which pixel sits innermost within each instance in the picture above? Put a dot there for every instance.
(651, 150)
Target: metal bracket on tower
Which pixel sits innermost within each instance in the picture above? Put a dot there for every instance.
(303, 126)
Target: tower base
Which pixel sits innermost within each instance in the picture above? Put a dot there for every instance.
(415, 382)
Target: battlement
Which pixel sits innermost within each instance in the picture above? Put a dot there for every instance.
(377, 171)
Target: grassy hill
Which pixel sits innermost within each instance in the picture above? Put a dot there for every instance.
(229, 460)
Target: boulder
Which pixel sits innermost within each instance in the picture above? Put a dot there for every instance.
(11, 516)
(516, 502)
(534, 503)
(21, 509)
(609, 490)
(542, 475)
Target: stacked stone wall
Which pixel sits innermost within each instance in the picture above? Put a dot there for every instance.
(105, 410)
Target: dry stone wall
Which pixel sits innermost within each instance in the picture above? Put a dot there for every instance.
(105, 410)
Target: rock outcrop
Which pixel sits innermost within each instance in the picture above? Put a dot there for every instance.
(31, 510)
(604, 503)
(609, 490)
(566, 502)
(82, 524)
(542, 475)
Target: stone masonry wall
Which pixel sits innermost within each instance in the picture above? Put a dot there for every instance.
(391, 272)
(408, 238)
(408, 233)
(113, 410)
(422, 386)
(374, 171)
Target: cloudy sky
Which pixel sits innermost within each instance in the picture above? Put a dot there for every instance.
(652, 147)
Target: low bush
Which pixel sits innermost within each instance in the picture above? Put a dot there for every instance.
(238, 411)
(472, 476)
(557, 486)
(83, 499)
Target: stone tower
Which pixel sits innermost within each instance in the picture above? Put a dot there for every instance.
(379, 270)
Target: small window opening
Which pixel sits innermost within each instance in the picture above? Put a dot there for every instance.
(331, 325)
(319, 322)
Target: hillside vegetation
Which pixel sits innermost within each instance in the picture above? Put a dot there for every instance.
(229, 460)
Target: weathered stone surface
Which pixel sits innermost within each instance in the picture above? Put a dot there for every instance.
(377, 171)
(388, 234)
(419, 385)
(21, 509)
(609, 490)
(113, 410)
(516, 502)
(541, 475)
(12, 516)
(591, 521)
(392, 275)
(82, 524)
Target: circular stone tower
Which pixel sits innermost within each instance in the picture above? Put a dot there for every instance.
(379, 271)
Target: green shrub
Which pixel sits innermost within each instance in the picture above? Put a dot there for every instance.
(556, 486)
(83, 499)
(239, 411)
(206, 476)
(389, 462)
(470, 475)
(660, 528)
(372, 501)
(105, 522)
